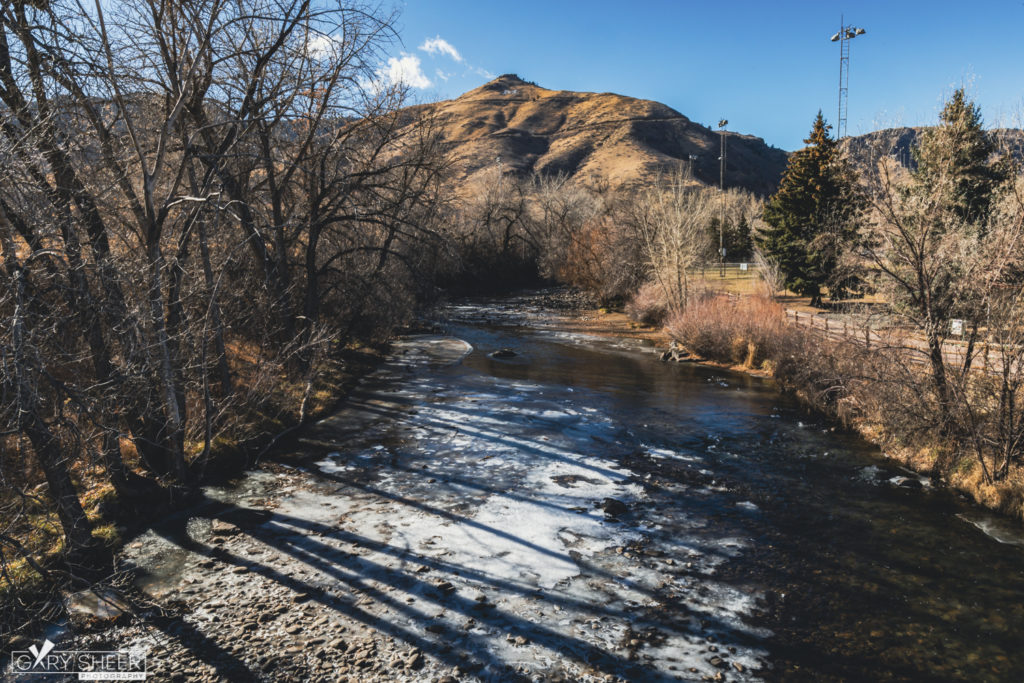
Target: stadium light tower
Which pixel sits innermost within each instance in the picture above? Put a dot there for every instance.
(843, 37)
(721, 188)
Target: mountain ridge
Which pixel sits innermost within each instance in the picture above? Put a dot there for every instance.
(603, 138)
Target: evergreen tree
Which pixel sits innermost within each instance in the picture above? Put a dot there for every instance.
(740, 242)
(812, 216)
(736, 238)
(953, 161)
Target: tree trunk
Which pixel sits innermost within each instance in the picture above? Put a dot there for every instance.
(223, 370)
(77, 527)
(939, 378)
(173, 431)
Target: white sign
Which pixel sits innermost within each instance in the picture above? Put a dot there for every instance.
(956, 327)
(743, 266)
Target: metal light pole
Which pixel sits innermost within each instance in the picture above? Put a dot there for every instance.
(843, 37)
(721, 189)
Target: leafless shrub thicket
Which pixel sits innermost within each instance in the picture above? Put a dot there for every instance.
(196, 199)
(511, 230)
(743, 330)
(669, 219)
(495, 245)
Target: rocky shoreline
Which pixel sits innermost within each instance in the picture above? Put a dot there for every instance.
(245, 607)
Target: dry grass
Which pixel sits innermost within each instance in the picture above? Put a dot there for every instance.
(731, 280)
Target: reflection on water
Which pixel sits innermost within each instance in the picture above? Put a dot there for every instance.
(861, 579)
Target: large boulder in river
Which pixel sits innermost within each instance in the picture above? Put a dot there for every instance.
(504, 353)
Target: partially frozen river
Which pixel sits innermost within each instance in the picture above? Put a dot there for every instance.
(581, 511)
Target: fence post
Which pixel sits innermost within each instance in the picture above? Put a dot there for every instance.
(867, 337)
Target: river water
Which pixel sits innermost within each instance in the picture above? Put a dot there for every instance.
(582, 511)
(757, 540)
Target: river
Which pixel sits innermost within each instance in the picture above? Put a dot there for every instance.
(582, 511)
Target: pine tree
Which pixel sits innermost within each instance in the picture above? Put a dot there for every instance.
(741, 242)
(953, 161)
(812, 216)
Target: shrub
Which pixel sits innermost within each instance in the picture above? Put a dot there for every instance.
(745, 330)
(648, 305)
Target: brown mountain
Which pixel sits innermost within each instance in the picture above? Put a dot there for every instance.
(602, 137)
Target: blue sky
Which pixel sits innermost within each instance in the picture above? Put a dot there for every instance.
(765, 66)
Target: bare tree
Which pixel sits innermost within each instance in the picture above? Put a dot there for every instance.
(933, 266)
(181, 180)
(669, 219)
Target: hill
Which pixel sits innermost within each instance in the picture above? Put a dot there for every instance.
(601, 137)
(898, 142)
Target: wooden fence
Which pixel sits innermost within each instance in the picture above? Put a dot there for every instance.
(955, 353)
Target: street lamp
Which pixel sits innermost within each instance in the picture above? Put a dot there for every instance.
(843, 37)
(721, 189)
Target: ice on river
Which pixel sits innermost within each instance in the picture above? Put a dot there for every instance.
(536, 497)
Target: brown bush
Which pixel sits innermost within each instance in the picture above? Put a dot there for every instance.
(648, 305)
(744, 330)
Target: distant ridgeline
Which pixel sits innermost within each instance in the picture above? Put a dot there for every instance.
(899, 143)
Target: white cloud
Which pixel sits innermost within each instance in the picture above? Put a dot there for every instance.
(405, 69)
(323, 46)
(439, 45)
(442, 75)
(480, 71)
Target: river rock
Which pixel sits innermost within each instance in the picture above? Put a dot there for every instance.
(614, 507)
(504, 353)
(676, 353)
(220, 528)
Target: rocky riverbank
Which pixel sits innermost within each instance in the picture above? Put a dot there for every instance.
(241, 591)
